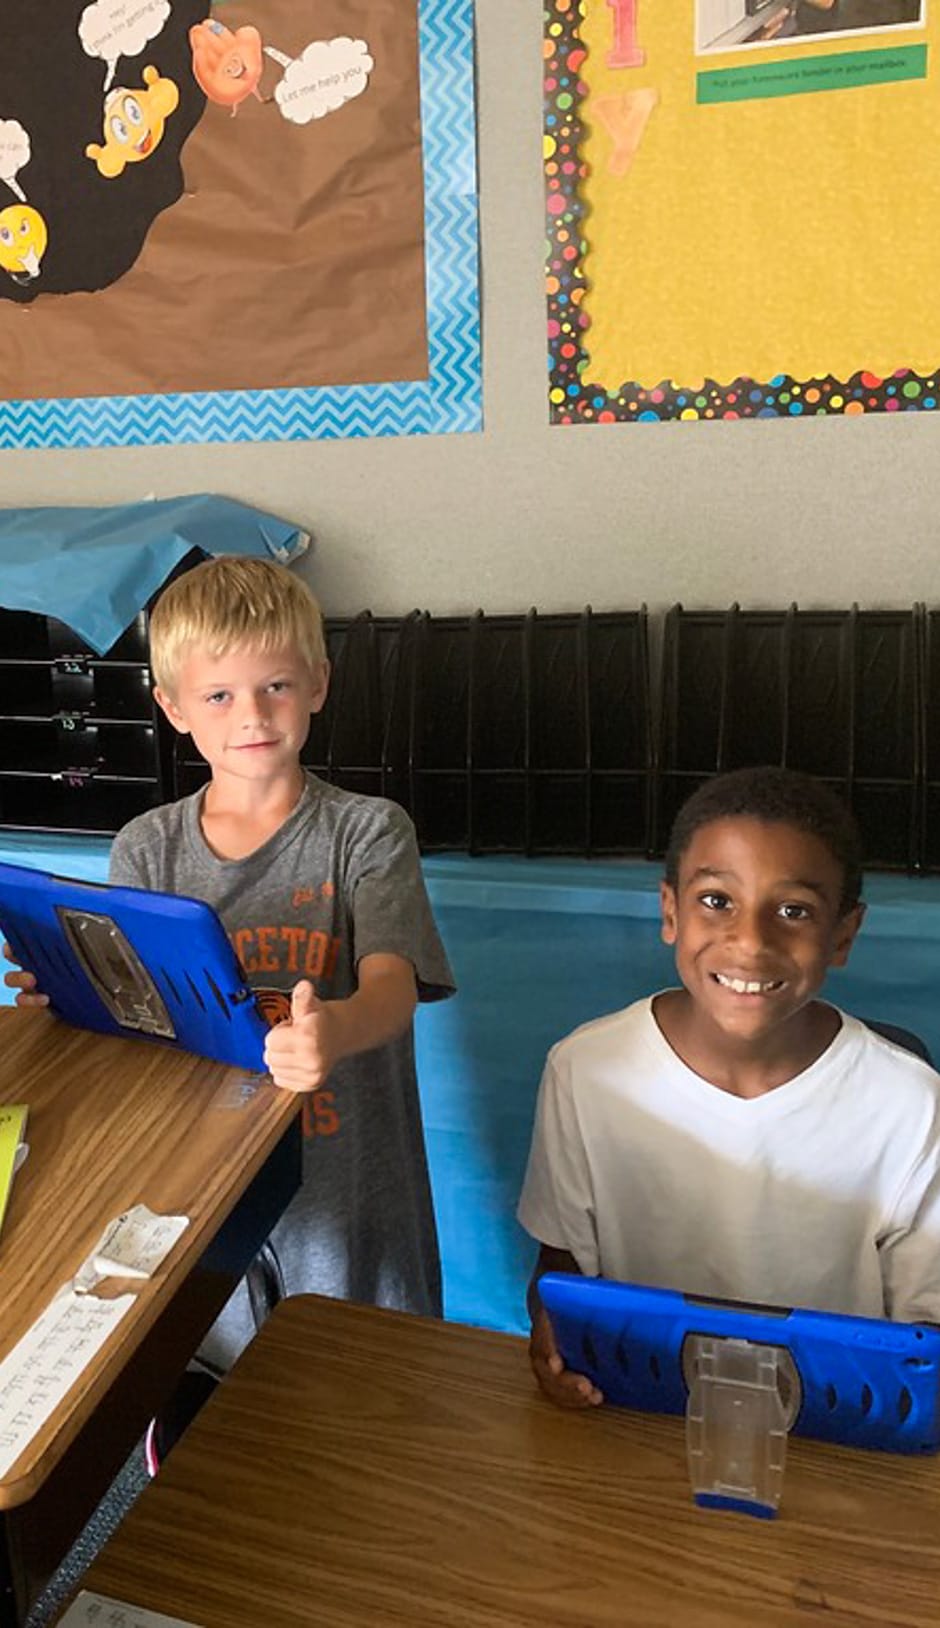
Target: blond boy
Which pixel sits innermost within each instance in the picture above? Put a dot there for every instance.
(321, 893)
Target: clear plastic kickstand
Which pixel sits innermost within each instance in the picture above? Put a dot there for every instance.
(117, 972)
(743, 1399)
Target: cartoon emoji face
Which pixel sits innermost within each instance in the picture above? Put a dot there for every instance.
(133, 123)
(23, 239)
(226, 66)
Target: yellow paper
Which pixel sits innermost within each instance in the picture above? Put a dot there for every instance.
(12, 1126)
(798, 235)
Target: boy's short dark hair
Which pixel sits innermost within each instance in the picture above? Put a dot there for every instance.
(774, 795)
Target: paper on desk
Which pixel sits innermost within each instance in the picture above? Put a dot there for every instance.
(100, 1611)
(12, 1122)
(136, 1242)
(133, 1245)
(44, 1365)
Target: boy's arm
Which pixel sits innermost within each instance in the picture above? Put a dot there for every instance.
(557, 1202)
(560, 1384)
(910, 1254)
(300, 1054)
(388, 902)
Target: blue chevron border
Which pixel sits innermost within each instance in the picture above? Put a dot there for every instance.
(449, 399)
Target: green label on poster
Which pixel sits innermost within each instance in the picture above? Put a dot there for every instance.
(802, 74)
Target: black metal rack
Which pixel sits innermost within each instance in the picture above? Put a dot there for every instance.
(929, 741)
(503, 734)
(529, 734)
(839, 694)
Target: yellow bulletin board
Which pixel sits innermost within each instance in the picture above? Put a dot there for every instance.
(743, 204)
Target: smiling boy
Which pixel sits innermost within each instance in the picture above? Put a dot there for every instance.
(737, 1137)
(321, 893)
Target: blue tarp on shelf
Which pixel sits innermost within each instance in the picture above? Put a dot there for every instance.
(96, 568)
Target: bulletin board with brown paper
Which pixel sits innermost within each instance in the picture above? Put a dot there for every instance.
(237, 225)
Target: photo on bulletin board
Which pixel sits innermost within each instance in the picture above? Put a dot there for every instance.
(743, 208)
(248, 220)
(722, 25)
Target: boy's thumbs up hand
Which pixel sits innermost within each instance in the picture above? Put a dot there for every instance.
(299, 1053)
(303, 1000)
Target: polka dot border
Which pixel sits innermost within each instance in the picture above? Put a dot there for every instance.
(572, 398)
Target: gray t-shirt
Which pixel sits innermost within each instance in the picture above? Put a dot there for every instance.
(340, 879)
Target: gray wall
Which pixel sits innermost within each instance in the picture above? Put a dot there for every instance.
(823, 510)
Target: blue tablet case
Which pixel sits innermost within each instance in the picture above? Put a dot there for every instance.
(123, 961)
(863, 1382)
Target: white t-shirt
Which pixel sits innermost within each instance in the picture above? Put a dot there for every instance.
(824, 1193)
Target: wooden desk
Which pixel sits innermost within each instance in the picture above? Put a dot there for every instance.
(365, 1468)
(113, 1123)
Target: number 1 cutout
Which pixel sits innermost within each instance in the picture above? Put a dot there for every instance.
(626, 52)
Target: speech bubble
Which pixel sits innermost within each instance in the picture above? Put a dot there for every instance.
(324, 76)
(14, 154)
(111, 29)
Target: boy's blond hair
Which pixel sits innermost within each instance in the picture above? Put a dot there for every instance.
(230, 602)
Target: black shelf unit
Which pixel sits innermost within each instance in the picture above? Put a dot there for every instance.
(527, 734)
(81, 745)
(499, 734)
(929, 739)
(837, 693)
